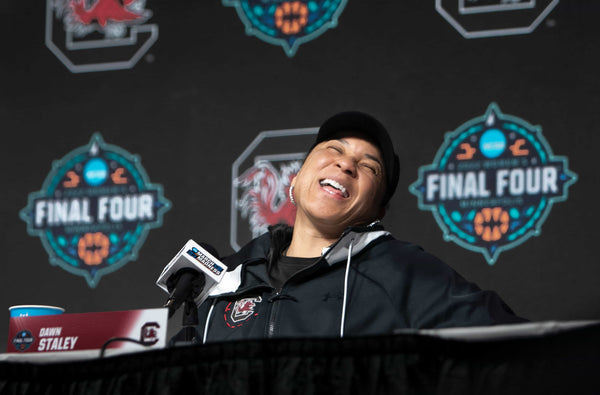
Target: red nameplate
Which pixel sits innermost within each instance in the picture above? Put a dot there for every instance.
(87, 331)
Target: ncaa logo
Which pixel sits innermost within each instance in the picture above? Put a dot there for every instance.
(99, 35)
(288, 23)
(94, 210)
(260, 182)
(492, 183)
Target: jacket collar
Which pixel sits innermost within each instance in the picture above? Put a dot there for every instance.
(359, 236)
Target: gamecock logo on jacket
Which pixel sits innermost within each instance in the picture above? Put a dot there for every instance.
(240, 310)
(261, 180)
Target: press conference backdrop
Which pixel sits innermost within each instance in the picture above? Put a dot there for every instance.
(132, 126)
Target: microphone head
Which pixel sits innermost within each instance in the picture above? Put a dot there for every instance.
(176, 278)
(185, 285)
(191, 275)
(211, 250)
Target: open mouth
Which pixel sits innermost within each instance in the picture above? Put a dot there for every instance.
(335, 185)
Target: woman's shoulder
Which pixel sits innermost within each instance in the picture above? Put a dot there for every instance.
(257, 248)
(397, 256)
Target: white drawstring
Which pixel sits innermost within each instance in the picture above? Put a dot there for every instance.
(207, 321)
(346, 288)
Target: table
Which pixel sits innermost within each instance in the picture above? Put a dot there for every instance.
(545, 358)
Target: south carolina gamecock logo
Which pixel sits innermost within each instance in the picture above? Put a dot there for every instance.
(236, 313)
(261, 179)
(490, 18)
(99, 35)
(94, 210)
(492, 183)
(264, 200)
(288, 23)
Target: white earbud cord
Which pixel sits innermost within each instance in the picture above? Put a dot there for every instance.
(346, 288)
(208, 321)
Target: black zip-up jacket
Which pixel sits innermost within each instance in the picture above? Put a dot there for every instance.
(367, 283)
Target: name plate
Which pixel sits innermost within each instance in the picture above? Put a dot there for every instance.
(131, 329)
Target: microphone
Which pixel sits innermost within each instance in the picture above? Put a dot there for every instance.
(190, 276)
(184, 285)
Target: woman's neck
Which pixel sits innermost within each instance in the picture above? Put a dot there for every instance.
(307, 241)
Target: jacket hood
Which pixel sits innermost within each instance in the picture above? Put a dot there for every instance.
(359, 237)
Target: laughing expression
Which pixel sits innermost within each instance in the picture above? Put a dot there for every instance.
(340, 183)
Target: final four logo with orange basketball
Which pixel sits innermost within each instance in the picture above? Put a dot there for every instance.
(288, 23)
(492, 183)
(94, 210)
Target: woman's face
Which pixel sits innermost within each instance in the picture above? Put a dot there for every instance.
(340, 183)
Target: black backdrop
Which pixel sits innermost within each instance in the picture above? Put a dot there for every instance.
(205, 89)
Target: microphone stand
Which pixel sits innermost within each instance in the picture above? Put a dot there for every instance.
(185, 286)
(189, 320)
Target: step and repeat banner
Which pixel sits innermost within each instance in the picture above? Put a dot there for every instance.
(132, 126)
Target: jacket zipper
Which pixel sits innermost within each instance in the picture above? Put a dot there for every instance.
(271, 322)
(273, 313)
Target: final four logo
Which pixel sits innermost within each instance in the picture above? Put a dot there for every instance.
(492, 183)
(288, 23)
(94, 210)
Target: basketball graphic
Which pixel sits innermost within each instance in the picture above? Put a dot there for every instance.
(291, 17)
(491, 223)
(288, 23)
(92, 248)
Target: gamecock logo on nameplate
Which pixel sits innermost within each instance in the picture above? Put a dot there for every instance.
(261, 179)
